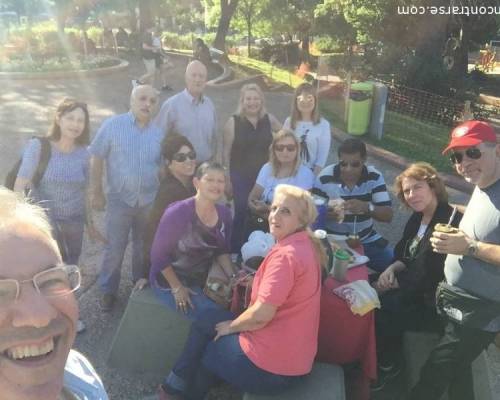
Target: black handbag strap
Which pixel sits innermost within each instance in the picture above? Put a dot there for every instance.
(45, 154)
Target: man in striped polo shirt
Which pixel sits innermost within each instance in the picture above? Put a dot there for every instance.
(366, 198)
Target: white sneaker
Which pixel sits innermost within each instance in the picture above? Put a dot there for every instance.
(80, 326)
(134, 83)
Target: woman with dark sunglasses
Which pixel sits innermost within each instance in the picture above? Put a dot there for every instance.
(407, 287)
(311, 129)
(284, 167)
(176, 184)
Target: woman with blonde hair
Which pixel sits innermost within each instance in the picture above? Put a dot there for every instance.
(311, 129)
(247, 136)
(408, 285)
(284, 167)
(252, 351)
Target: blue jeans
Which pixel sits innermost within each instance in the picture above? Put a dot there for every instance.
(381, 255)
(203, 306)
(69, 237)
(242, 187)
(120, 220)
(205, 361)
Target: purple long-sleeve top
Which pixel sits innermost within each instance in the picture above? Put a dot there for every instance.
(183, 242)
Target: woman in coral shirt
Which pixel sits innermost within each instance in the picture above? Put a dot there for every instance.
(273, 343)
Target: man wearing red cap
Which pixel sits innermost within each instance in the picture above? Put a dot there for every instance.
(472, 267)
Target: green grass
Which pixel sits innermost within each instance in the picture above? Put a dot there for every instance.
(403, 135)
(278, 74)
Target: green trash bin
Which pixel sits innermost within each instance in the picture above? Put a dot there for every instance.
(360, 107)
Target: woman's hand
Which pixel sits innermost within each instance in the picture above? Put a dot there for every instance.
(387, 280)
(182, 296)
(223, 328)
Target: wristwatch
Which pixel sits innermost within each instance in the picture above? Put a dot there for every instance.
(472, 248)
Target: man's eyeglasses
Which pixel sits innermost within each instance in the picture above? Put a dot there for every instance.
(53, 282)
(289, 147)
(181, 157)
(353, 164)
(456, 157)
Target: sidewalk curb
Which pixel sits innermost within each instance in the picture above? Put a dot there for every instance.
(65, 74)
(452, 181)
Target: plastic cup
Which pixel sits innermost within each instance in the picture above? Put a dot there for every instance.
(353, 241)
(340, 265)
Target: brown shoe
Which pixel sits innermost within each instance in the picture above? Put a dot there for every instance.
(107, 302)
(163, 395)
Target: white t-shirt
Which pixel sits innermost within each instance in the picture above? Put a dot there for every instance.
(317, 139)
(304, 178)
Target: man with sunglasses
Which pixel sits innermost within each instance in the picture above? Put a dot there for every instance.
(366, 199)
(38, 311)
(472, 264)
(130, 146)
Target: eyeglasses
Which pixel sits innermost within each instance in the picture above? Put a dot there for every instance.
(353, 164)
(181, 157)
(289, 147)
(53, 282)
(473, 153)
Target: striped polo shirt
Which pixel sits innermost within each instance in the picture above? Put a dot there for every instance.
(369, 188)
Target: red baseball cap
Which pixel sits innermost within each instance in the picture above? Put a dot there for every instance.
(471, 133)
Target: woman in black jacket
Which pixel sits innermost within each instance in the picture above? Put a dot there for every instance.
(407, 287)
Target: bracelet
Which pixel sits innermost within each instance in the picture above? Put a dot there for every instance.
(175, 290)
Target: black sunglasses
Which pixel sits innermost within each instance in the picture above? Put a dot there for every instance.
(288, 147)
(473, 153)
(353, 164)
(181, 157)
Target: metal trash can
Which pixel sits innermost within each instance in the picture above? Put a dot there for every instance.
(360, 106)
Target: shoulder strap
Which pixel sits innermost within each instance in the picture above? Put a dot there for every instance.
(45, 154)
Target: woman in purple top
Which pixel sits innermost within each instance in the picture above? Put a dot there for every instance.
(192, 234)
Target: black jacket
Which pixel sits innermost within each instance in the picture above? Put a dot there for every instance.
(425, 269)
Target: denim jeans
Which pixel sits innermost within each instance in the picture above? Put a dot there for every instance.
(241, 189)
(381, 255)
(449, 364)
(120, 220)
(204, 361)
(69, 237)
(203, 306)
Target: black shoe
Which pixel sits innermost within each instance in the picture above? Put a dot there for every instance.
(166, 88)
(107, 301)
(385, 376)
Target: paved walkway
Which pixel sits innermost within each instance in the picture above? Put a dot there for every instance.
(27, 106)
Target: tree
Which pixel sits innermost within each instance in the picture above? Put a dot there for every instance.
(227, 9)
(248, 12)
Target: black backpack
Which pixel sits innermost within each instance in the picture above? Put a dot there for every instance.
(45, 154)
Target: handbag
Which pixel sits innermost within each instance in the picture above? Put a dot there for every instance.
(219, 285)
(465, 308)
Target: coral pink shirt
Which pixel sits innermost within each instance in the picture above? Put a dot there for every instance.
(290, 279)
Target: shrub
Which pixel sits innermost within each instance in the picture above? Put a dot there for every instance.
(327, 44)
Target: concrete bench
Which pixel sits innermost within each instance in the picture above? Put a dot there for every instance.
(417, 347)
(150, 336)
(326, 382)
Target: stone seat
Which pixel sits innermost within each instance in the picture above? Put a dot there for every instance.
(326, 382)
(150, 336)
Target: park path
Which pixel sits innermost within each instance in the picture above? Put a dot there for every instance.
(25, 109)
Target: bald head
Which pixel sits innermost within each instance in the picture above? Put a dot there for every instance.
(196, 78)
(143, 103)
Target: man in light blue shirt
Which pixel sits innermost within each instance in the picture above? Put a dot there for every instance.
(129, 145)
(192, 114)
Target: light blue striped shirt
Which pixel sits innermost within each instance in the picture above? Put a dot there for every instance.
(62, 188)
(196, 120)
(132, 156)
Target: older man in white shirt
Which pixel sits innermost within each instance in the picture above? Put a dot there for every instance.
(192, 114)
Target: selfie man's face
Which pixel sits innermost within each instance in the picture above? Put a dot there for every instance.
(36, 332)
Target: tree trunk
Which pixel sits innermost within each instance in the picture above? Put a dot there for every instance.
(145, 16)
(227, 8)
(305, 48)
(249, 34)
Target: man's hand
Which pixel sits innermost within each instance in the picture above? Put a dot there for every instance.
(223, 328)
(450, 243)
(356, 206)
(97, 201)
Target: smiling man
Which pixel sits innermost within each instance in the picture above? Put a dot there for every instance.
(192, 114)
(130, 146)
(38, 312)
(472, 267)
